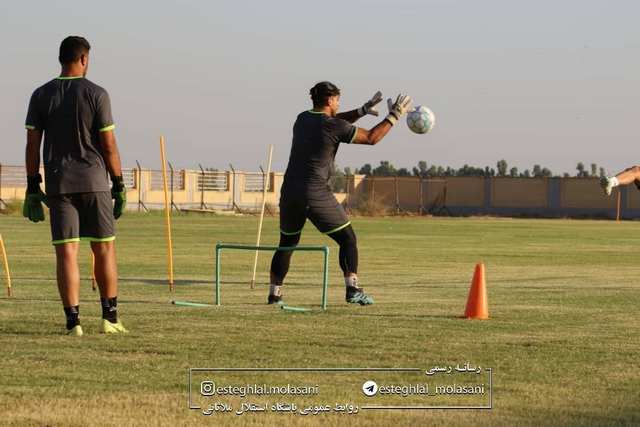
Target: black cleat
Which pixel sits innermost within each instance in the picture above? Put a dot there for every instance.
(275, 299)
(357, 296)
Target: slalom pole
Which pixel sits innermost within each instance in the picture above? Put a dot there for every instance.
(265, 186)
(93, 272)
(167, 213)
(6, 266)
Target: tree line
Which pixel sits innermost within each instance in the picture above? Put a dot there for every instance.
(422, 169)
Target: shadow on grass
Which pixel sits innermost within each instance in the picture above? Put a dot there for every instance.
(164, 282)
(34, 299)
(409, 316)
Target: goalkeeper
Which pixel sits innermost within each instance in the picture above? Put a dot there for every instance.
(305, 192)
(74, 115)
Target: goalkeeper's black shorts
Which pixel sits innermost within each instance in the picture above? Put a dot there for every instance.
(86, 216)
(319, 205)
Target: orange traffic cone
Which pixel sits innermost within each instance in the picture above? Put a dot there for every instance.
(477, 302)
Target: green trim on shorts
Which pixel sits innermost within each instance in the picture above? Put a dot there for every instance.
(63, 241)
(291, 234)
(69, 78)
(355, 132)
(98, 239)
(107, 128)
(30, 127)
(339, 228)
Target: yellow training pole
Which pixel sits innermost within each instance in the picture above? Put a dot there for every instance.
(93, 272)
(167, 213)
(6, 266)
(264, 201)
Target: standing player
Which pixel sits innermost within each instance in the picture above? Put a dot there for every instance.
(305, 191)
(74, 115)
(627, 176)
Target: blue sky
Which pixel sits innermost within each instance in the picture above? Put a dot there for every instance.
(547, 82)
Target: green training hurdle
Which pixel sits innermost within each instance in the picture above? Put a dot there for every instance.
(237, 246)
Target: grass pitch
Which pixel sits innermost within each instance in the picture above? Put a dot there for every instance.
(563, 338)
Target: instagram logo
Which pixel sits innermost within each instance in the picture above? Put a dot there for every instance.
(207, 388)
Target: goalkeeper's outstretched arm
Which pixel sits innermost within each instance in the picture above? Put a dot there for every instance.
(351, 116)
(396, 111)
(368, 107)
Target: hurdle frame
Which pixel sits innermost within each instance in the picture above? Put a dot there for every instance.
(310, 248)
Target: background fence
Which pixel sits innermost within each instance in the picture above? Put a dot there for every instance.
(501, 196)
(242, 191)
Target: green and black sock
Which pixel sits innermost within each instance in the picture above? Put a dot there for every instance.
(110, 309)
(73, 316)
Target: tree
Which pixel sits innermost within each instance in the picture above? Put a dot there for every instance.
(365, 170)
(338, 180)
(403, 172)
(526, 174)
(467, 170)
(602, 172)
(513, 172)
(385, 169)
(581, 172)
(537, 171)
(546, 172)
(421, 170)
(502, 167)
(594, 169)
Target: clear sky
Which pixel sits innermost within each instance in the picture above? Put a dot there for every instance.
(547, 82)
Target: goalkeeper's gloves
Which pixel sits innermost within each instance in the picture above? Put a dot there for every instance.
(119, 195)
(33, 199)
(369, 107)
(398, 109)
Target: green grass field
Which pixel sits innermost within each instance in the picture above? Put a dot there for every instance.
(562, 340)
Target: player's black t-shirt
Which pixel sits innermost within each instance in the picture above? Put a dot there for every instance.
(316, 137)
(72, 111)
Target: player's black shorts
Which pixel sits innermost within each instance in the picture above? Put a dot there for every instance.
(86, 216)
(320, 206)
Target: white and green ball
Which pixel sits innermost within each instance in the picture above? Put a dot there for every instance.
(421, 119)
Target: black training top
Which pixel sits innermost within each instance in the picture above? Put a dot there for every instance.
(72, 111)
(316, 137)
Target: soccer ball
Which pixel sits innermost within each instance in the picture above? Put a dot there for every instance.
(421, 119)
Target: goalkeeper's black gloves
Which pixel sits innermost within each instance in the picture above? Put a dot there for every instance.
(119, 195)
(33, 199)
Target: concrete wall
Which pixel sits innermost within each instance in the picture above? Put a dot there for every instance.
(519, 193)
(146, 186)
(544, 197)
(535, 197)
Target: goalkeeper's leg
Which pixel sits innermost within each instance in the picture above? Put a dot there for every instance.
(106, 272)
(348, 256)
(65, 237)
(627, 176)
(280, 266)
(68, 278)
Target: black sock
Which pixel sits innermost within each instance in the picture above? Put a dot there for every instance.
(72, 314)
(110, 309)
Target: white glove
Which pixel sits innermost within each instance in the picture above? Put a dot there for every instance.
(398, 109)
(369, 107)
